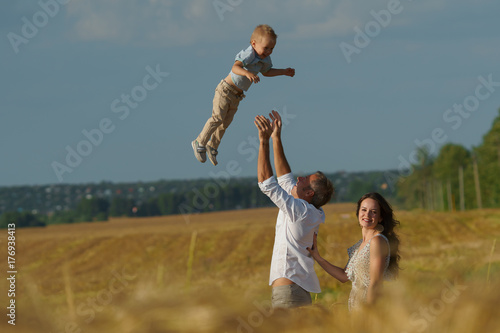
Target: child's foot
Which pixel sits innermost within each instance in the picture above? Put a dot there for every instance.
(212, 155)
(199, 151)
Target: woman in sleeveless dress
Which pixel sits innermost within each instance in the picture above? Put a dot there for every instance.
(374, 258)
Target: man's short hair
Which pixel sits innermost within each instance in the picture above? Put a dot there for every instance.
(323, 190)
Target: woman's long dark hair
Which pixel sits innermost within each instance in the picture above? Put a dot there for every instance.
(389, 223)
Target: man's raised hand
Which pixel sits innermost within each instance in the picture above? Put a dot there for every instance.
(265, 127)
(277, 124)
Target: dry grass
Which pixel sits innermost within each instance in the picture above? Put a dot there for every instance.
(130, 275)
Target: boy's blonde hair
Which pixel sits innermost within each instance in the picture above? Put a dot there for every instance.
(261, 31)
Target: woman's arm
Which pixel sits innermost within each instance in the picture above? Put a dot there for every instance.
(333, 270)
(379, 250)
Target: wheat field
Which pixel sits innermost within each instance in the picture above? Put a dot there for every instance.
(209, 273)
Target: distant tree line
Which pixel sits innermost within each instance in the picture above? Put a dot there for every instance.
(201, 196)
(21, 219)
(237, 196)
(457, 178)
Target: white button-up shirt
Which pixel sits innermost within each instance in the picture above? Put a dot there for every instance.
(296, 224)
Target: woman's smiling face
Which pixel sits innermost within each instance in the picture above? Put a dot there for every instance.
(369, 213)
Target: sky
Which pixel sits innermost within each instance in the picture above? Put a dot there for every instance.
(116, 90)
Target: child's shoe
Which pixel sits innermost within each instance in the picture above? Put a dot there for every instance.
(199, 151)
(212, 154)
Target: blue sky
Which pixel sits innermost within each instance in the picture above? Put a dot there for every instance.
(373, 79)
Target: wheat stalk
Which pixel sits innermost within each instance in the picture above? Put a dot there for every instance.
(191, 259)
(69, 292)
(489, 263)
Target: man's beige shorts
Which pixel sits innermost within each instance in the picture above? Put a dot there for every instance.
(290, 296)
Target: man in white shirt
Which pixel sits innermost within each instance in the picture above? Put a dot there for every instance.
(292, 275)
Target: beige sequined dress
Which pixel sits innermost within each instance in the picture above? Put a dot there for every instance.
(358, 271)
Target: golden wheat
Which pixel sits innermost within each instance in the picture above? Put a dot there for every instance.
(209, 273)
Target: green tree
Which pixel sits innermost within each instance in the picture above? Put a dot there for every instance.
(357, 188)
(149, 208)
(92, 209)
(121, 207)
(166, 203)
(413, 191)
(488, 158)
(21, 219)
(63, 216)
(446, 170)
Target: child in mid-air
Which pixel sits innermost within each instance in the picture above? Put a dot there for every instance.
(228, 94)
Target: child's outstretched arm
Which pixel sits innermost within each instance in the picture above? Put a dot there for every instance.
(278, 72)
(239, 70)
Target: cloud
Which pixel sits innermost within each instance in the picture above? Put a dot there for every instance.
(170, 23)
(153, 22)
(99, 26)
(339, 22)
